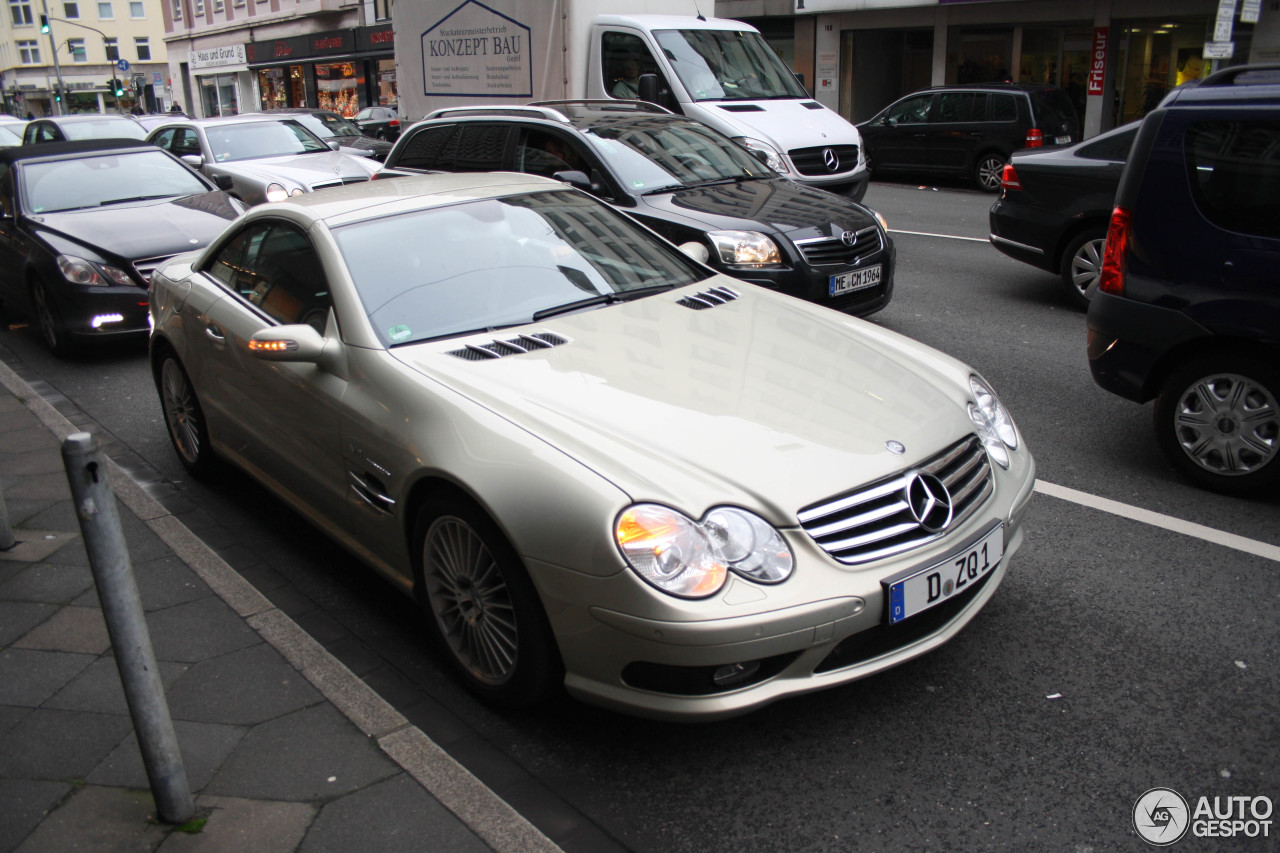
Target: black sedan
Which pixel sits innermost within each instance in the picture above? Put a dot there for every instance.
(683, 179)
(1055, 204)
(379, 123)
(82, 226)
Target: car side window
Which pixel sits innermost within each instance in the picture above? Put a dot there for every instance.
(422, 148)
(961, 107)
(1003, 107)
(274, 266)
(541, 153)
(477, 148)
(1235, 175)
(186, 141)
(626, 57)
(164, 139)
(914, 110)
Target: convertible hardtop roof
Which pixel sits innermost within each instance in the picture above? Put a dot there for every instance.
(46, 150)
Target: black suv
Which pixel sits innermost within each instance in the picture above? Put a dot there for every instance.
(683, 179)
(967, 130)
(1187, 309)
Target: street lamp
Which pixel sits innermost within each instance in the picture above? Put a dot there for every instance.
(44, 28)
(58, 105)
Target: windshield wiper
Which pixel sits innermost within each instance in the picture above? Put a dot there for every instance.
(133, 198)
(602, 299)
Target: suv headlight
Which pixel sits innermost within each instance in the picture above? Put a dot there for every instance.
(764, 152)
(994, 423)
(745, 248)
(79, 271)
(276, 192)
(692, 559)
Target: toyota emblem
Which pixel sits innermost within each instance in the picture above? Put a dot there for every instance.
(849, 238)
(928, 501)
(831, 160)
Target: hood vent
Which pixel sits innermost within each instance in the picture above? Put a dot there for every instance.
(510, 346)
(708, 298)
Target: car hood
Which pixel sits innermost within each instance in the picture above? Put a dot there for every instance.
(765, 401)
(784, 206)
(787, 122)
(144, 229)
(305, 169)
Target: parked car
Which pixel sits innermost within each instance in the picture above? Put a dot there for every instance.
(328, 125)
(1055, 204)
(968, 130)
(684, 180)
(82, 226)
(379, 123)
(259, 159)
(82, 126)
(595, 461)
(1187, 310)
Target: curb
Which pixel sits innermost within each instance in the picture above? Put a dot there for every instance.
(474, 803)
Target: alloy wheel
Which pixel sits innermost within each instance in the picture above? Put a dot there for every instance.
(181, 411)
(1227, 424)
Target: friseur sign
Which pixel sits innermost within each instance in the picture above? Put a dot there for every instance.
(477, 52)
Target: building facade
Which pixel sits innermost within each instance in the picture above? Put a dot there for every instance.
(233, 56)
(1114, 58)
(73, 56)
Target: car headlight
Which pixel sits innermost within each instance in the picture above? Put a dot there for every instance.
(994, 423)
(745, 248)
(276, 192)
(884, 223)
(763, 152)
(79, 271)
(298, 191)
(692, 559)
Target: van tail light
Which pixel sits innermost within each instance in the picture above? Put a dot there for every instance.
(1009, 178)
(1115, 258)
(1035, 139)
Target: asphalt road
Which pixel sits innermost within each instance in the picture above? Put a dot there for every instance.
(1123, 652)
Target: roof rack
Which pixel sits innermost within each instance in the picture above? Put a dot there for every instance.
(532, 111)
(1255, 74)
(606, 103)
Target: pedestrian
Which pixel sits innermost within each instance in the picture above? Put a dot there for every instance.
(30, 117)
(177, 108)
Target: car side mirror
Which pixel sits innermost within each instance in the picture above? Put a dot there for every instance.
(648, 88)
(195, 161)
(697, 251)
(574, 178)
(297, 342)
(224, 182)
(333, 144)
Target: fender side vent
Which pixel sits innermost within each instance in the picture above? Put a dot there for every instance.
(500, 348)
(708, 298)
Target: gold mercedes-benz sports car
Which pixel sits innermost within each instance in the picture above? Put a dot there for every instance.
(594, 461)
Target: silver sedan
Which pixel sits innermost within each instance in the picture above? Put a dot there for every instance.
(595, 462)
(260, 159)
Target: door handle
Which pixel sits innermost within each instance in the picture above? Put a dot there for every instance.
(214, 333)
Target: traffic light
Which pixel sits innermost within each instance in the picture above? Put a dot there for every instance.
(44, 23)
(117, 87)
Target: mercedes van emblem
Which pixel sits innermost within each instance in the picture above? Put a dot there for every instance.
(830, 159)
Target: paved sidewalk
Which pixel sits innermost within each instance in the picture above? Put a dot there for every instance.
(285, 749)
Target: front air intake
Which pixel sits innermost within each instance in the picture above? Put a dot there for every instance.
(501, 348)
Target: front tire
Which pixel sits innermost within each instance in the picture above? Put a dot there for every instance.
(1218, 421)
(184, 417)
(482, 606)
(989, 170)
(53, 329)
(1082, 264)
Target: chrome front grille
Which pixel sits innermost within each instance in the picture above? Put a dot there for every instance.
(833, 251)
(144, 267)
(875, 521)
(813, 161)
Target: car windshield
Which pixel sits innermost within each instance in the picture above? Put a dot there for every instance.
(104, 128)
(661, 154)
(327, 126)
(500, 262)
(727, 65)
(105, 179)
(253, 140)
(8, 138)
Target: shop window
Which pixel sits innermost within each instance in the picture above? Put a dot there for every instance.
(337, 88)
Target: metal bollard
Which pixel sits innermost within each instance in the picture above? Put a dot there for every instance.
(6, 532)
(95, 504)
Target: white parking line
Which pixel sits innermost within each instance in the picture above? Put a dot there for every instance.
(1167, 522)
(947, 236)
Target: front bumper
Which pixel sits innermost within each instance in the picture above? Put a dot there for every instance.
(812, 283)
(667, 668)
(101, 312)
(854, 186)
